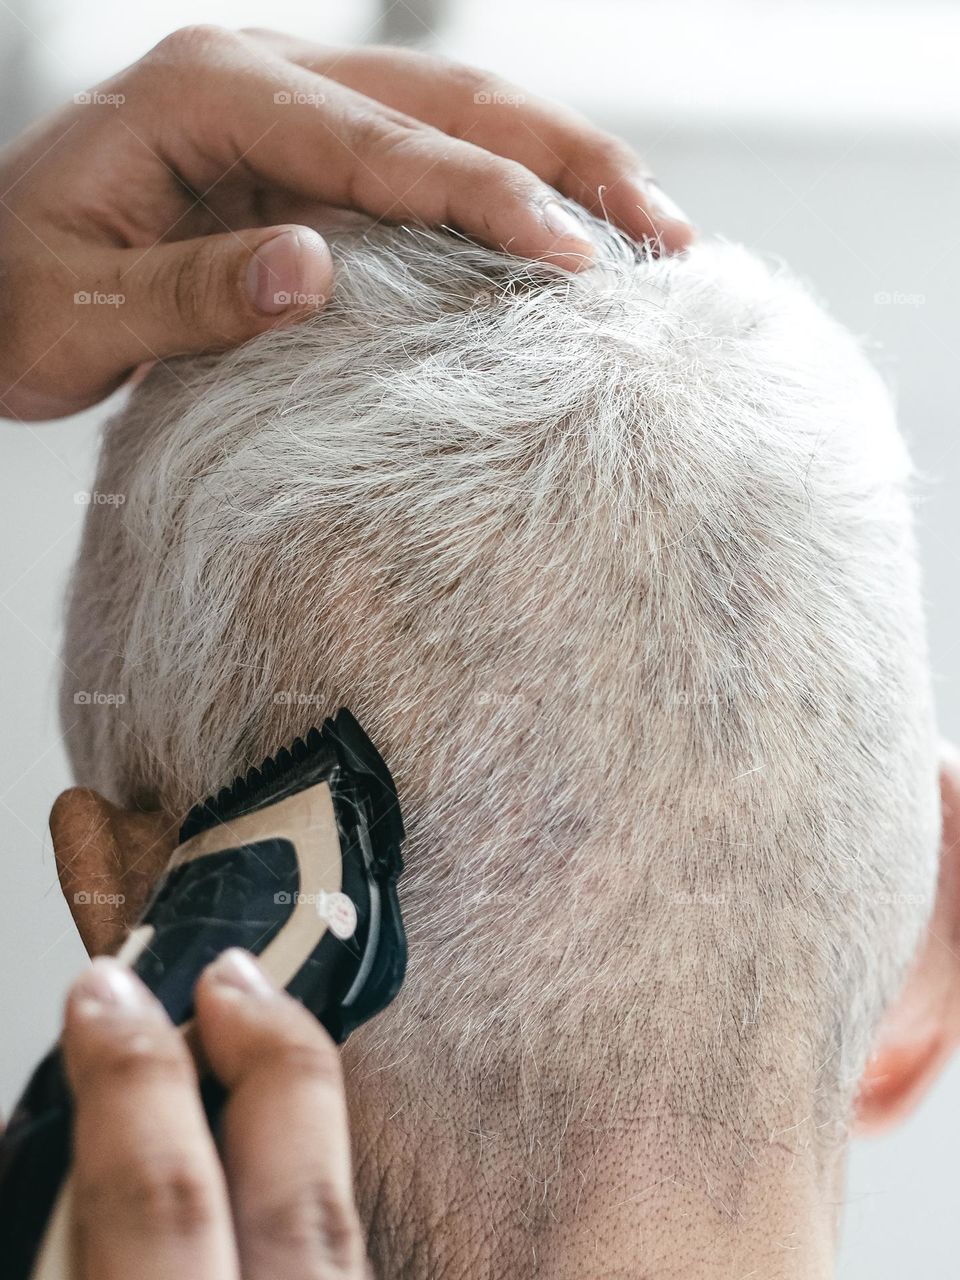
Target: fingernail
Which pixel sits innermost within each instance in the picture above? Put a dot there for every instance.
(565, 224)
(288, 271)
(109, 987)
(237, 970)
(662, 206)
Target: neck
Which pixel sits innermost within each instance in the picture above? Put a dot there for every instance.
(487, 1195)
(771, 1221)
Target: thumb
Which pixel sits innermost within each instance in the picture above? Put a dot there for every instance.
(215, 292)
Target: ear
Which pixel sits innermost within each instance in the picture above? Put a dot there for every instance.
(108, 859)
(922, 1029)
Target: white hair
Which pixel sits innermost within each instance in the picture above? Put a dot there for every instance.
(617, 569)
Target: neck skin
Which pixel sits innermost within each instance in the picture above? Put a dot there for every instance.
(442, 1194)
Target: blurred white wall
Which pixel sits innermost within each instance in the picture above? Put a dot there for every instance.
(824, 134)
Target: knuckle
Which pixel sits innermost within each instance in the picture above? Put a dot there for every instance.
(512, 181)
(135, 1060)
(392, 156)
(467, 80)
(166, 1195)
(194, 286)
(313, 1062)
(260, 33)
(187, 46)
(317, 1217)
(611, 153)
(378, 135)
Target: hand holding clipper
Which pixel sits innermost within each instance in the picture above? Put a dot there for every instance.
(150, 1195)
(297, 863)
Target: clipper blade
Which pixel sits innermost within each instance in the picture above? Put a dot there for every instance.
(262, 784)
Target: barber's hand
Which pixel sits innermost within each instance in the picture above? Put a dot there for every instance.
(157, 214)
(151, 1198)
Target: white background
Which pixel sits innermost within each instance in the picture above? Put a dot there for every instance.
(827, 134)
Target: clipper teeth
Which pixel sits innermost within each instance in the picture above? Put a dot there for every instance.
(258, 778)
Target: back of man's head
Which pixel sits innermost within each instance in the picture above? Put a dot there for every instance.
(617, 570)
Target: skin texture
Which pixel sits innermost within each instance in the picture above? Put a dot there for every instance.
(150, 221)
(624, 1025)
(159, 217)
(779, 1219)
(152, 1196)
(288, 1178)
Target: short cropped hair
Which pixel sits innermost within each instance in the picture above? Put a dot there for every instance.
(617, 569)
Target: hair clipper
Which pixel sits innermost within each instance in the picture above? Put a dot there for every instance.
(297, 862)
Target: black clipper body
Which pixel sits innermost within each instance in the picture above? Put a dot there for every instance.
(297, 862)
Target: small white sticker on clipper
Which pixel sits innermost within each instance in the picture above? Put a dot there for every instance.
(339, 913)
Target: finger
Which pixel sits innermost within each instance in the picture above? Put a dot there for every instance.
(590, 166)
(318, 139)
(284, 1134)
(148, 1192)
(114, 309)
(217, 291)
